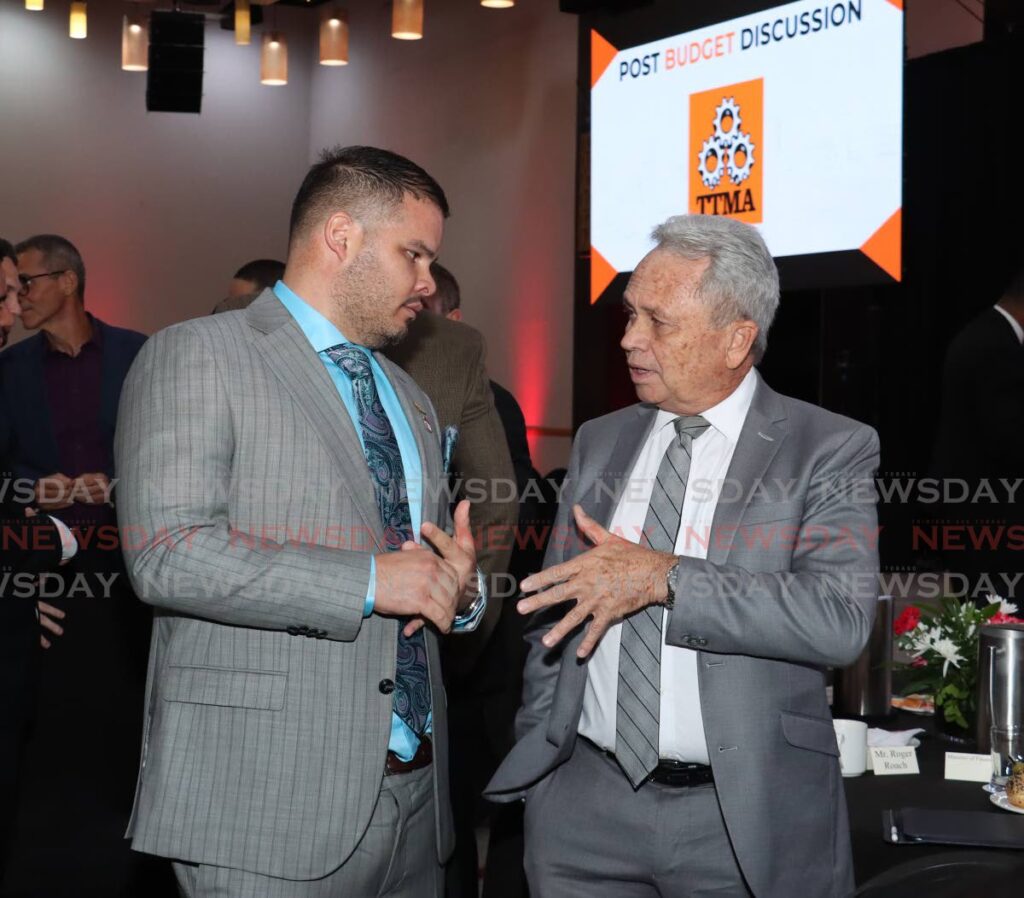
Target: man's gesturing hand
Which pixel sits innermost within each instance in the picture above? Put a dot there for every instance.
(458, 550)
(417, 583)
(608, 582)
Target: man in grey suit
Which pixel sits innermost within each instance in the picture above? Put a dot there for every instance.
(277, 472)
(675, 738)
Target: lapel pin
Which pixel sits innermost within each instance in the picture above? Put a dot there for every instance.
(765, 436)
(426, 418)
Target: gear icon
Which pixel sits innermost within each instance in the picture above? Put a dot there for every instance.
(710, 176)
(729, 109)
(741, 144)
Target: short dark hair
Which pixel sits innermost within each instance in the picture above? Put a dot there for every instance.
(58, 253)
(7, 250)
(447, 288)
(360, 179)
(263, 273)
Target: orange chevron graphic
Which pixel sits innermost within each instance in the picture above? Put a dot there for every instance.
(601, 275)
(884, 246)
(898, 4)
(601, 55)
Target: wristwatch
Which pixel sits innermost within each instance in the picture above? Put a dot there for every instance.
(671, 580)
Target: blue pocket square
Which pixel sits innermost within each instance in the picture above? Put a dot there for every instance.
(449, 442)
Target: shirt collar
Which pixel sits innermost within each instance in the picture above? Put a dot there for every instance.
(321, 333)
(1014, 323)
(728, 416)
(95, 341)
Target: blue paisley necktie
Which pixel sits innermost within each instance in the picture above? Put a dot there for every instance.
(412, 686)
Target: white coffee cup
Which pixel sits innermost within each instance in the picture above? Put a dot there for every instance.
(852, 736)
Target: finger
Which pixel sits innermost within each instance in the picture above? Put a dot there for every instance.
(43, 641)
(415, 624)
(552, 575)
(410, 546)
(591, 638)
(51, 610)
(589, 527)
(439, 612)
(560, 593)
(51, 625)
(463, 526)
(573, 618)
(564, 627)
(438, 539)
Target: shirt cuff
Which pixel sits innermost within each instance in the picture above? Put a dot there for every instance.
(68, 543)
(371, 589)
(469, 620)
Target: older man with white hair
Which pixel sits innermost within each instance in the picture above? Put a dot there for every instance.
(715, 551)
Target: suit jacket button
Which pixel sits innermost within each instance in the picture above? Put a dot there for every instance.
(702, 641)
(386, 686)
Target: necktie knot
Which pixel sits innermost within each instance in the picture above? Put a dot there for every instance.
(351, 359)
(690, 427)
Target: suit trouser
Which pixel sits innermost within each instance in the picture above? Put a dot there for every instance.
(396, 858)
(590, 835)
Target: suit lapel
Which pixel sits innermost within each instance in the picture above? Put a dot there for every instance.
(600, 498)
(286, 352)
(760, 439)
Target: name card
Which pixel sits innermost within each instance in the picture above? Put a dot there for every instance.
(968, 767)
(891, 761)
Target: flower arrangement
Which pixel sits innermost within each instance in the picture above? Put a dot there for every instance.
(944, 647)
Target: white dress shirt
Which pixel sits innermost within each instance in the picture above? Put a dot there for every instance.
(682, 727)
(1014, 323)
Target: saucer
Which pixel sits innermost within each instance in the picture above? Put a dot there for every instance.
(1000, 800)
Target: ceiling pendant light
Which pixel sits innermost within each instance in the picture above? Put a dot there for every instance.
(135, 42)
(407, 19)
(243, 23)
(274, 59)
(78, 21)
(334, 39)
(497, 4)
(34, 5)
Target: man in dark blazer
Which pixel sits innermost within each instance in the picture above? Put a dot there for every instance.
(59, 392)
(981, 435)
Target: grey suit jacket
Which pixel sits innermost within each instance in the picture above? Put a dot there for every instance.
(250, 521)
(767, 610)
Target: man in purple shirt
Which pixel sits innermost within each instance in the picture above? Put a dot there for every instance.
(59, 391)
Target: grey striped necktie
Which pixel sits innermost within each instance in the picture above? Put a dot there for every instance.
(639, 690)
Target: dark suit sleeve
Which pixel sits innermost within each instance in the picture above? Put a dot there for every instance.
(30, 545)
(482, 458)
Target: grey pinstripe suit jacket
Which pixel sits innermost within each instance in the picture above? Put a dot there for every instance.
(251, 521)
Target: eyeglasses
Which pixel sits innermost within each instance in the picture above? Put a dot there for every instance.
(26, 279)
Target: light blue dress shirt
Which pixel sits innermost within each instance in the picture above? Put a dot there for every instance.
(323, 335)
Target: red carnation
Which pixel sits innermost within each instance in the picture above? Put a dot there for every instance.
(1000, 618)
(908, 620)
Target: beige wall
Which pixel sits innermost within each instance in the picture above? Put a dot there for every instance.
(164, 207)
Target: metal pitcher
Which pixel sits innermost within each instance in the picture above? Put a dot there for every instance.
(1000, 680)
